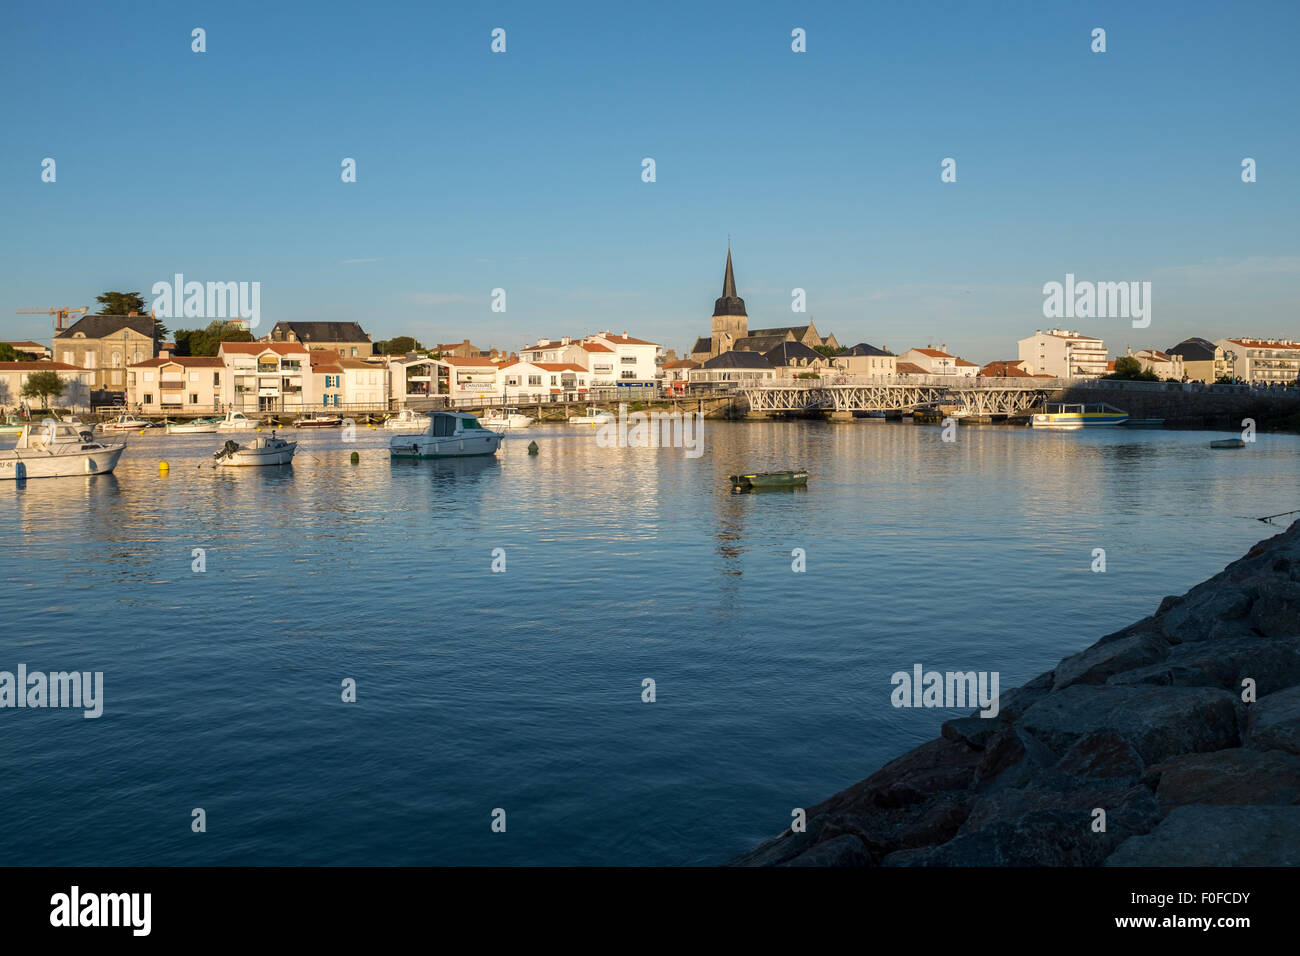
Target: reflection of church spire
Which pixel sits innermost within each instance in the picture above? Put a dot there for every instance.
(730, 303)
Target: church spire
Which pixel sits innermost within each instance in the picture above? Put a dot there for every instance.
(729, 303)
(729, 281)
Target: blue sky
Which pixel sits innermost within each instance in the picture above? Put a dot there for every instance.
(523, 170)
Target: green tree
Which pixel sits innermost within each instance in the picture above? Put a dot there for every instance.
(827, 350)
(124, 303)
(42, 385)
(7, 353)
(1128, 367)
(397, 346)
(207, 341)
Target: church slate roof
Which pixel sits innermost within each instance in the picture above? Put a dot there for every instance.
(702, 344)
(729, 303)
(758, 343)
(798, 331)
(101, 326)
(790, 353)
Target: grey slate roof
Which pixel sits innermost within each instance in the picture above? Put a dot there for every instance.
(316, 332)
(798, 331)
(759, 343)
(738, 360)
(790, 353)
(1194, 350)
(703, 344)
(862, 348)
(101, 326)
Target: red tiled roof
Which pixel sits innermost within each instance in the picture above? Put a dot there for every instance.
(24, 346)
(188, 361)
(964, 362)
(257, 348)
(682, 363)
(619, 338)
(468, 360)
(1263, 344)
(907, 368)
(933, 353)
(561, 367)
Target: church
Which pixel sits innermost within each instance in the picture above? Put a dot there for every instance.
(731, 332)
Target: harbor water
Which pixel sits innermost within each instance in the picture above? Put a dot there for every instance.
(227, 608)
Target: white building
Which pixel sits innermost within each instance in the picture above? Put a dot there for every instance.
(939, 362)
(1273, 361)
(267, 377)
(76, 384)
(340, 382)
(633, 364)
(1164, 364)
(1064, 354)
(544, 382)
(182, 383)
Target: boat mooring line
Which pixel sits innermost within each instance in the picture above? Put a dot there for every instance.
(1268, 518)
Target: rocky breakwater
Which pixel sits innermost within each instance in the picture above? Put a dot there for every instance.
(1173, 742)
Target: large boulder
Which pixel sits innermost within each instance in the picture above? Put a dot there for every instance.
(1100, 661)
(1239, 776)
(1200, 835)
(1274, 722)
(1160, 722)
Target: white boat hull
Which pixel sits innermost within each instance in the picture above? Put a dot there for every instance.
(236, 426)
(191, 429)
(253, 457)
(458, 446)
(33, 463)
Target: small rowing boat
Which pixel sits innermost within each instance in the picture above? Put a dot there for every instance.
(770, 479)
(1228, 443)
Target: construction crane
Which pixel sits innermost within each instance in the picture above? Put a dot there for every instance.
(61, 315)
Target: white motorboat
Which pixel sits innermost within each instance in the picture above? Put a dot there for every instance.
(124, 423)
(265, 450)
(449, 435)
(317, 420)
(200, 426)
(593, 417)
(58, 450)
(500, 419)
(235, 421)
(407, 419)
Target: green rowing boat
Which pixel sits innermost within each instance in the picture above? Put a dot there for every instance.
(1228, 443)
(770, 479)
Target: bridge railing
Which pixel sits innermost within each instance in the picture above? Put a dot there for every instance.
(914, 381)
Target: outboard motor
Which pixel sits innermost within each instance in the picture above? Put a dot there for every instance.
(228, 449)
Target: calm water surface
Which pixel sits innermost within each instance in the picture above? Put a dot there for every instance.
(522, 690)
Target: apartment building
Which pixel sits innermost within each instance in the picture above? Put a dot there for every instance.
(1061, 353)
(267, 376)
(183, 383)
(1267, 361)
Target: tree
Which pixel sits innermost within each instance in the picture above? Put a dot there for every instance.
(9, 354)
(207, 341)
(42, 385)
(1130, 368)
(397, 346)
(827, 350)
(124, 303)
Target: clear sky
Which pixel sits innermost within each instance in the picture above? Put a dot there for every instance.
(522, 170)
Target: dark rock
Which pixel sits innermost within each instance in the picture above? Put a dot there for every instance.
(931, 768)
(974, 732)
(1209, 611)
(845, 850)
(781, 848)
(1103, 759)
(1012, 758)
(1273, 663)
(920, 825)
(1199, 835)
(1277, 610)
(1274, 722)
(1027, 828)
(1100, 661)
(1159, 722)
(1227, 777)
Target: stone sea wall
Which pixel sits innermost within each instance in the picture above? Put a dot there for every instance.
(1184, 728)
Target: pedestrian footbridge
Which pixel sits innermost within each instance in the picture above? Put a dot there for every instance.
(849, 393)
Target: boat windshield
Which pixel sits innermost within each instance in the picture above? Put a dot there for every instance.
(469, 421)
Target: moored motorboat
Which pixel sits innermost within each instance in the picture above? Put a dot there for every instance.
(235, 421)
(593, 417)
(502, 419)
(263, 450)
(58, 450)
(406, 420)
(1228, 443)
(317, 420)
(200, 426)
(124, 423)
(449, 435)
(770, 479)
(12, 425)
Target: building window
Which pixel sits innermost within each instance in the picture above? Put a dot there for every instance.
(148, 398)
(534, 380)
(194, 399)
(216, 379)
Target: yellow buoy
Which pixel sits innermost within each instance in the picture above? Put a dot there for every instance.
(163, 467)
